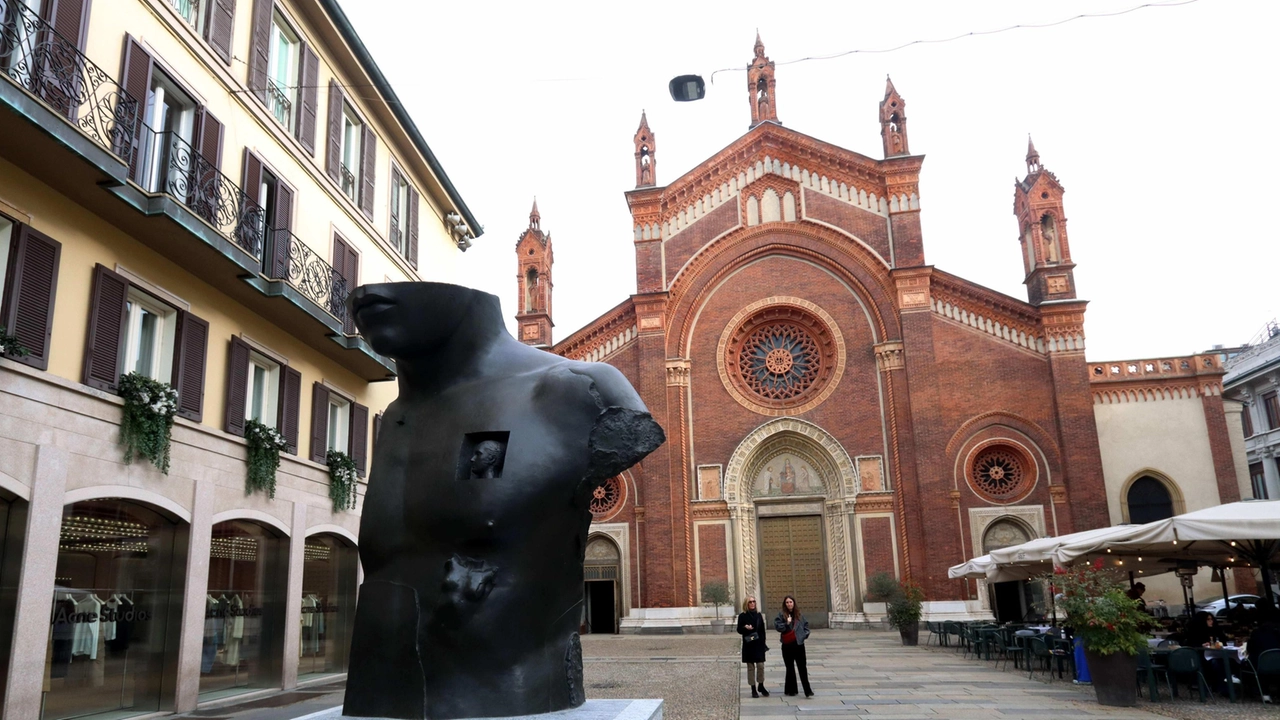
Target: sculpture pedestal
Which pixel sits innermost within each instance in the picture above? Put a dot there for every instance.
(590, 710)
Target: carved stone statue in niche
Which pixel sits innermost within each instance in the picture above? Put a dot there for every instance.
(475, 523)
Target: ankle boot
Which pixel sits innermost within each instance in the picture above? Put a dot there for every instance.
(754, 694)
(763, 691)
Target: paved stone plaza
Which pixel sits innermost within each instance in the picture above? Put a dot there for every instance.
(854, 675)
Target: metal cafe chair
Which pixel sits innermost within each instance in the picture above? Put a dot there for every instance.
(1266, 665)
(1186, 661)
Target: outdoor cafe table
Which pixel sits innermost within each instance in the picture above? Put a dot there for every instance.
(1229, 654)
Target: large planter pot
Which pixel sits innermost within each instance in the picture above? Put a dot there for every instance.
(1113, 677)
(717, 626)
(910, 634)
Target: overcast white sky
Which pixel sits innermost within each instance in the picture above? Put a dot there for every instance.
(1160, 123)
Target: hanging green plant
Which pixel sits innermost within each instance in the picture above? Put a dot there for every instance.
(265, 444)
(145, 428)
(342, 480)
(9, 344)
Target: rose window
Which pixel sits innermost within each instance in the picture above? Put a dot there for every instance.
(606, 498)
(779, 361)
(1000, 473)
(777, 357)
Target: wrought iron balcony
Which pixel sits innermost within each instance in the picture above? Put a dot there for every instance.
(35, 57)
(291, 260)
(280, 104)
(348, 180)
(166, 163)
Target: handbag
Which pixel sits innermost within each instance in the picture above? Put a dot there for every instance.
(789, 637)
(751, 637)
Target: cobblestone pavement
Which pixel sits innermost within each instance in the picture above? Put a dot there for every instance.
(697, 676)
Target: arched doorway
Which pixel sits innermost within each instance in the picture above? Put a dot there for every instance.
(1010, 601)
(112, 642)
(328, 604)
(785, 485)
(600, 573)
(244, 609)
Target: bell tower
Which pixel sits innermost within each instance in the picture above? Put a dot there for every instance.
(533, 282)
(1046, 254)
(760, 86)
(893, 121)
(646, 162)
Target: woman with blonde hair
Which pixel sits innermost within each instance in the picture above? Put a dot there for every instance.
(794, 628)
(751, 628)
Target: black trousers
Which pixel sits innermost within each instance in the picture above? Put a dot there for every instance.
(793, 656)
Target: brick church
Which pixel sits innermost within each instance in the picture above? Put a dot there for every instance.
(835, 406)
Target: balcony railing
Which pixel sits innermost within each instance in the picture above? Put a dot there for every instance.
(290, 259)
(53, 69)
(166, 163)
(348, 180)
(280, 105)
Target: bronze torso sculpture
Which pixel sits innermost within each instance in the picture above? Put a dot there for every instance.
(475, 522)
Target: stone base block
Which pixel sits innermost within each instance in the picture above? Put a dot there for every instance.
(590, 710)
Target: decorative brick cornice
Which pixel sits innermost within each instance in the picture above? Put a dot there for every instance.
(994, 313)
(604, 336)
(1062, 324)
(678, 372)
(1156, 379)
(881, 502)
(711, 511)
(913, 289)
(889, 356)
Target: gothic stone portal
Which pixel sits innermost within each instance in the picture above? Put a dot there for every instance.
(475, 523)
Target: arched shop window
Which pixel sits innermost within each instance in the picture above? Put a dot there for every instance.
(1149, 500)
(110, 648)
(328, 604)
(244, 609)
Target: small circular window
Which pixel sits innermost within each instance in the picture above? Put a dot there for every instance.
(606, 498)
(1001, 473)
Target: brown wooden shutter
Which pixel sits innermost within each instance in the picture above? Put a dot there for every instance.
(319, 422)
(220, 27)
(333, 155)
(290, 399)
(70, 19)
(346, 264)
(209, 143)
(377, 429)
(190, 347)
(412, 224)
(136, 72)
(260, 48)
(27, 312)
(106, 329)
(359, 436)
(251, 180)
(205, 195)
(282, 220)
(308, 82)
(237, 386)
(368, 161)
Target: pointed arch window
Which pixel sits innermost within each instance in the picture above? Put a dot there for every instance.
(531, 290)
(1149, 500)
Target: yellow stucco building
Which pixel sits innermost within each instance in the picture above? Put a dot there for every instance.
(189, 190)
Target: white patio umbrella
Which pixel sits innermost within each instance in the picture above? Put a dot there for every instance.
(1245, 533)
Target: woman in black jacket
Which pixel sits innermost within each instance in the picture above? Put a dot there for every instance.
(751, 628)
(794, 628)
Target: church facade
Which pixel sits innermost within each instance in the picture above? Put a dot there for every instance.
(870, 414)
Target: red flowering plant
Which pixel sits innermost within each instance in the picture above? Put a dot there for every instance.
(1097, 607)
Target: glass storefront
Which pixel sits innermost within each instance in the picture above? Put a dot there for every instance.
(109, 625)
(244, 609)
(13, 512)
(328, 604)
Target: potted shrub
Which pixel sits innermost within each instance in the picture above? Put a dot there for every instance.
(1112, 627)
(904, 602)
(717, 593)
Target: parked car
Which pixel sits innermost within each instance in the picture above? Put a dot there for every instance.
(1219, 607)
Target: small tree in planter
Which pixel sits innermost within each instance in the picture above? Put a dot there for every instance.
(342, 480)
(1112, 626)
(9, 344)
(265, 444)
(904, 602)
(717, 593)
(146, 425)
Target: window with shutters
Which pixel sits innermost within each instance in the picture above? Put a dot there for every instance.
(1271, 404)
(6, 242)
(283, 66)
(263, 390)
(268, 197)
(28, 286)
(1246, 417)
(1258, 478)
(170, 112)
(352, 130)
(190, 10)
(339, 423)
(148, 336)
(400, 213)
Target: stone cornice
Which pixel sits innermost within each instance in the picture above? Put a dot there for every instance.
(608, 333)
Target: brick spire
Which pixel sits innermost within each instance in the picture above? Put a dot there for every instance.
(893, 121)
(533, 282)
(1046, 254)
(761, 87)
(646, 162)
